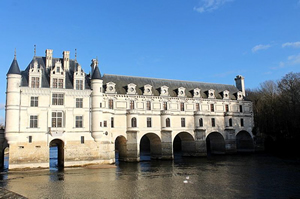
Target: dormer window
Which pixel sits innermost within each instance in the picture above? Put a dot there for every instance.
(110, 87)
(226, 94)
(58, 69)
(239, 95)
(148, 89)
(35, 75)
(164, 91)
(79, 84)
(57, 76)
(181, 92)
(131, 88)
(211, 93)
(197, 92)
(79, 77)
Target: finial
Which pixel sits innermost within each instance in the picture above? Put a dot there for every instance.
(15, 56)
(75, 55)
(34, 50)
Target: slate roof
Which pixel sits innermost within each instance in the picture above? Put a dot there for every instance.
(14, 68)
(96, 73)
(122, 82)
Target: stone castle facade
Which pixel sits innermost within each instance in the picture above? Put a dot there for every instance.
(53, 102)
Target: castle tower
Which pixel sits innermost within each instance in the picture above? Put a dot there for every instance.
(96, 85)
(12, 112)
(240, 83)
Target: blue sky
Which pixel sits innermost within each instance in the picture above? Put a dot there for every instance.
(194, 40)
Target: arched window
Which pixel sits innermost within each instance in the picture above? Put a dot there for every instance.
(230, 122)
(200, 122)
(168, 122)
(133, 122)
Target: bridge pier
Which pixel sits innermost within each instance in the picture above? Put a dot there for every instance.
(167, 145)
(133, 149)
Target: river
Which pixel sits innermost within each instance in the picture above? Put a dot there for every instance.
(235, 176)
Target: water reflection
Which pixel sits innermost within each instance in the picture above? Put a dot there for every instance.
(250, 176)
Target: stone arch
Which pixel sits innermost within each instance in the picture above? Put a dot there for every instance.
(56, 157)
(4, 158)
(150, 146)
(120, 148)
(184, 144)
(215, 143)
(244, 142)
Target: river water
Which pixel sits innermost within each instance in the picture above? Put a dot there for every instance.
(236, 176)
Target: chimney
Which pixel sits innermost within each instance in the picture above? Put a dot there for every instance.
(66, 56)
(240, 84)
(48, 55)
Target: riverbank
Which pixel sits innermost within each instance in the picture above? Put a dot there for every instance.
(4, 193)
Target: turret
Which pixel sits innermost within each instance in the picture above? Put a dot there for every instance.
(12, 111)
(240, 84)
(97, 95)
(93, 66)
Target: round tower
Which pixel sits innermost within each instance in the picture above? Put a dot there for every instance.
(13, 93)
(97, 95)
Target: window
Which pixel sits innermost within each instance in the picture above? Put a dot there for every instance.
(79, 102)
(79, 84)
(148, 105)
(212, 107)
(213, 122)
(133, 122)
(241, 108)
(30, 139)
(226, 108)
(34, 101)
(181, 106)
(82, 140)
(100, 124)
(33, 121)
(35, 82)
(182, 122)
(149, 122)
(200, 122)
(165, 106)
(60, 83)
(111, 104)
(57, 99)
(112, 122)
(105, 123)
(100, 105)
(168, 122)
(197, 107)
(78, 122)
(54, 84)
(58, 69)
(131, 104)
(230, 122)
(242, 122)
(57, 119)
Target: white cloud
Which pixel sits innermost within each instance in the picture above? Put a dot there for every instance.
(292, 44)
(260, 47)
(210, 5)
(294, 59)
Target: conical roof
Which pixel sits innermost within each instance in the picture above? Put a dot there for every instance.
(14, 68)
(96, 74)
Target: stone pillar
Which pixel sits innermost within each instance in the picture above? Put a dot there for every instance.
(200, 140)
(166, 145)
(230, 143)
(133, 149)
(107, 153)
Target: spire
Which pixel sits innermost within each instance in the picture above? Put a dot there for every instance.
(34, 50)
(14, 67)
(96, 73)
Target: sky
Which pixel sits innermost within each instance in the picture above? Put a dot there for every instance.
(193, 40)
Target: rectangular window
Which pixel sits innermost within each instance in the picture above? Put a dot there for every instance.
(82, 140)
(131, 104)
(212, 107)
(105, 123)
(100, 124)
(242, 122)
(57, 99)
(241, 108)
(79, 102)
(79, 84)
(181, 106)
(54, 83)
(30, 139)
(197, 107)
(57, 119)
(165, 106)
(149, 123)
(33, 121)
(35, 82)
(148, 105)
(111, 104)
(34, 101)
(213, 122)
(112, 122)
(182, 122)
(226, 108)
(78, 123)
(201, 122)
(60, 83)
